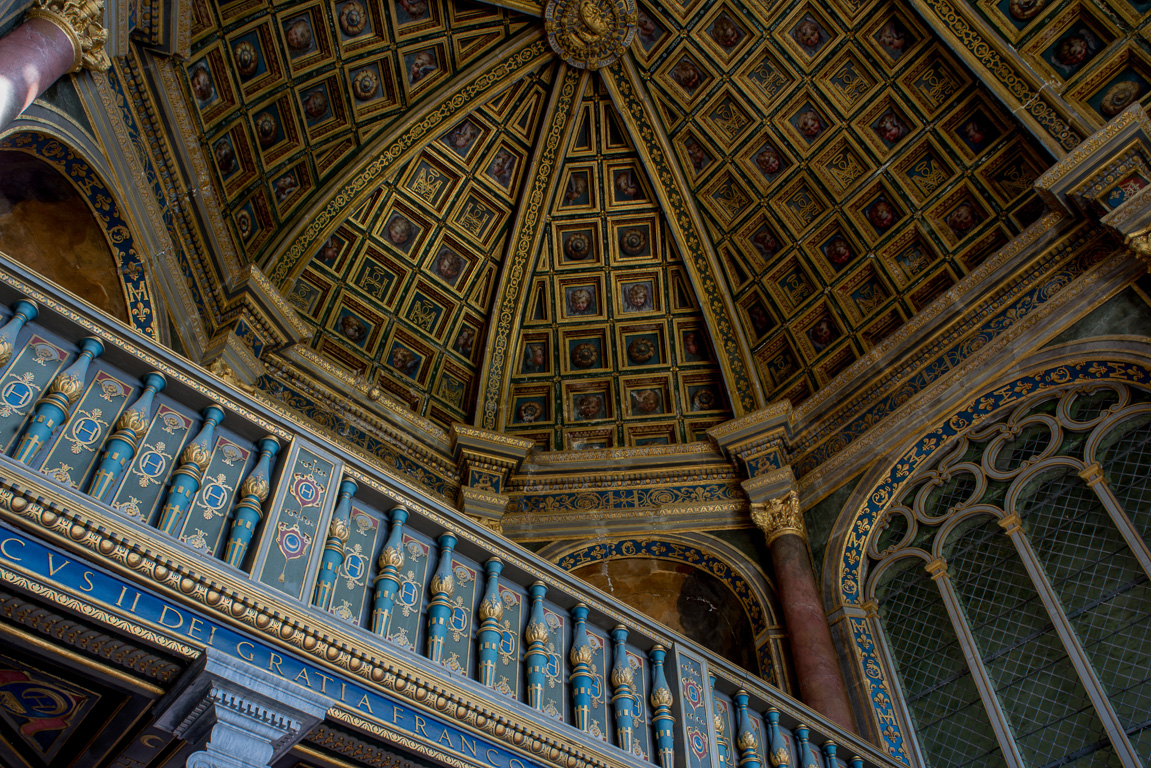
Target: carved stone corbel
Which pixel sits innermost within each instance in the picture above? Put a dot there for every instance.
(238, 715)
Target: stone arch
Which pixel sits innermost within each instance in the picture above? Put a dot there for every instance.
(1122, 360)
(142, 307)
(746, 582)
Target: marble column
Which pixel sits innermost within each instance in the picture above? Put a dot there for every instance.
(820, 680)
(55, 38)
(235, 715)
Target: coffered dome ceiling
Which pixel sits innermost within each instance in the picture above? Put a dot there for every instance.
(598, 224)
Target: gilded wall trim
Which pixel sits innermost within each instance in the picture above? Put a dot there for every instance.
(1067, 287)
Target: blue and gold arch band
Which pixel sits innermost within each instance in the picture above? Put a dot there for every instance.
(133, 277)
(982, 406)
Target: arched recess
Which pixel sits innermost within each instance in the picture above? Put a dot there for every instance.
(144, 310)
(945, 475)
(741, 577)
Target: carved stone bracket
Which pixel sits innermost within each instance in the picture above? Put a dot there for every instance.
(260, 321)
(485, 459)
(1108, 177)
(758, 442)
(83, 22)
(241, 716)
(779, 517)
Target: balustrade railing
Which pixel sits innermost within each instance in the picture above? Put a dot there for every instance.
(83, 402)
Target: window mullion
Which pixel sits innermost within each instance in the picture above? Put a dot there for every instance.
(1095, 478)
(1078, 657)
(938, 570)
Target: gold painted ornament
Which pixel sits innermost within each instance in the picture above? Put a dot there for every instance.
(590, 34)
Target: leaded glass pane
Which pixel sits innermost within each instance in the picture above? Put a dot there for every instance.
(1102, 588)
(1045, 704)
(950, 720)
(1126, 464)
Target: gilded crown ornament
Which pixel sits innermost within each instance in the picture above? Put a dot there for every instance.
(83, 22)
(197, 455)
(393, 556)
(338, 529)
(492, 608)
(536, 632)
(590, 34)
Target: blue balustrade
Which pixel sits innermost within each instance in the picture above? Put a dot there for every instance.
(249, 509)
(440, 608)
(387, 582)
(375, 568)
(121, 447)
(53, 408)
(187, 477)
(491, 612)
(338, 534)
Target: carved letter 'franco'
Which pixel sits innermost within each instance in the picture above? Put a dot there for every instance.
(590, 34)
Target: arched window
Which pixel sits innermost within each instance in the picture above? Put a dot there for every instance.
(1011, 581)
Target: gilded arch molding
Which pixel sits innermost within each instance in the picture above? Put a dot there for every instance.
(747, 581)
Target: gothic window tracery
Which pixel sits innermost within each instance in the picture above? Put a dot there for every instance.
(1011, 581)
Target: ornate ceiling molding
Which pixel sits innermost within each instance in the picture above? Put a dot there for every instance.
(743, 385)
(524, 245)
(523, 54)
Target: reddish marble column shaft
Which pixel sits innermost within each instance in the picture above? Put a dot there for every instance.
(821, 685)
(34, 55)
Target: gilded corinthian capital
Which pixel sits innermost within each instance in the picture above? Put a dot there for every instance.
(777, 517)
(83, 23)
(1141, 245)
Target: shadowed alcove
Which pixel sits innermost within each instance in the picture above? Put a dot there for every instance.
(46, 226)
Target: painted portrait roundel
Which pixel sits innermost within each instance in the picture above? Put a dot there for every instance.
(590, 34)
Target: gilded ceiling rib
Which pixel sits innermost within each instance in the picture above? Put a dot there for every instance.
(683, 219)
(525, 243)
(525, 53)
(521, 6)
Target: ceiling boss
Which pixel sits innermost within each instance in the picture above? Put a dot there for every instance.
(590, 34)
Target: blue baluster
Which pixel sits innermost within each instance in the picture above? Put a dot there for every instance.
(829, 750)
(807, 757)
(581, 677)
(745, 739)
(780, 753)
(623, 683)
(53, 407)
(22, 312)
(536, 636)
(122, 445)
(186, 479)
(387, 582)
(856, 762)
(491, 611)
(440, 608)
(333, 556)
(249, 509)
(661, 705)
(720, 726)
